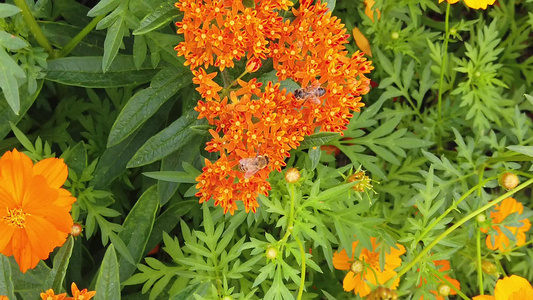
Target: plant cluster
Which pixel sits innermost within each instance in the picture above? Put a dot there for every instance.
(364, 149)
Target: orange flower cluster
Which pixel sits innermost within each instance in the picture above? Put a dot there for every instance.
(76, 294)
(34, 209)
(500, 240)
(365, 269)
(257, 125)
(443, 266)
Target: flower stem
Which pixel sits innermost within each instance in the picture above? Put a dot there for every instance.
(77, 39)
(478, 259)
(290, 223)
(302, 278)
(471, 215)
(34, 27)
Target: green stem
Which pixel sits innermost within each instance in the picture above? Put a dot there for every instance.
(471, 215)
(509, 158)
(443, 65)
(302, 278)
(34, 27)
(80, 36)
(478, 259)
(453, 207)
(290, 223)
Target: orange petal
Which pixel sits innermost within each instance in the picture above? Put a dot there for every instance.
(361, 41)
(15, 172)
(507, 286)
(369, 12)
(54, 170)
(6, 232)
(341, 261)
(484, 297)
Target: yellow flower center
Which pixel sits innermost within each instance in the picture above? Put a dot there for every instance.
(16, 217)
(357, 267)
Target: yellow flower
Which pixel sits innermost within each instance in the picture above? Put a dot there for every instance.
(510, 288)
(366, 269)
(475, 4)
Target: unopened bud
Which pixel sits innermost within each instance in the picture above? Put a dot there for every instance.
(382, 293)
(76, 229)
(227, 298)
(444, 289)
(395, 35)
(509, 180)
(489, 268)
(271, 253)
(481, 218)
(253, 64)
(453, 31)
(292, 175)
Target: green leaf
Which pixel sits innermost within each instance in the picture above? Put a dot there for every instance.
(103, 7)
(9, 72)
(7, 115)
(139, 50)
(161, 16)
(107, 282)
(314, 156)
(86, 71)
(120, 245)
(6, 283)
(145, 103)
(137, 229)
(113, 40)
(172, 176)
(331, 4)
(319, 139)
(113, 161)
(526, 150)
(8, 10)
(21, 137)
(11, 42)
(61, 262)
(170, 139)
(188, 293)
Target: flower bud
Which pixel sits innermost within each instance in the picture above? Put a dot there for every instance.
(292, 175)
(509, 180)
(489, 268)
(453, 31)
(444, 289)
(363, 184)
(382, 293)
(481, 218)
(395, 35)
(227, 298)
(76, 229)
(271, 253)
(357, 267)
(253, 64)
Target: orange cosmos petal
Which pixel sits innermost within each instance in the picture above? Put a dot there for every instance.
(64, 199)
(341, 261)
(477, 4)
(6, 233)
(54, 170)
(484, 297)
(15, 171)
(507, 286)
(393, 260)
(361, 41)
(22, 251)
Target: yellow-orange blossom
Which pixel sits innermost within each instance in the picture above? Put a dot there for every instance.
(34, 209)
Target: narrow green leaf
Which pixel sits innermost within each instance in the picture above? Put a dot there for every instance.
(526, 150)
(137, 229)
(87, 71)
(103, 7)
(108, 283)
(11, 42)
(188, 293)
(145, 103)
(6, 283)
(314, 156)
(172, 176)
(61, 262)
(121, 247)
(9, 72)
(7, 115)
(21, 137)
(113, 161)
(139, 50)
(319, 139)
(170, 139)
(161, 16)
(8, 10)
(113, 40)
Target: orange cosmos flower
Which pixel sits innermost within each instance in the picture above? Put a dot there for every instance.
(80, 295)
(34, 209)
(510, 288)
(475, 4)
(2, 297)
(500, 240)
(443, 266)
(365, 269)
(50, 295)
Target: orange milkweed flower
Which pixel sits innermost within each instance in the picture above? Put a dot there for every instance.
(361, 41)
(80, 295)
(366, 269)
(500, 240)
(2, 297)
(50, 295)
(443, 266)
(475, 4)
(510, 288)
(34, 209)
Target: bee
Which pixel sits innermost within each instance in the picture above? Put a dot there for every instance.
(311, 93)
(252, 165)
